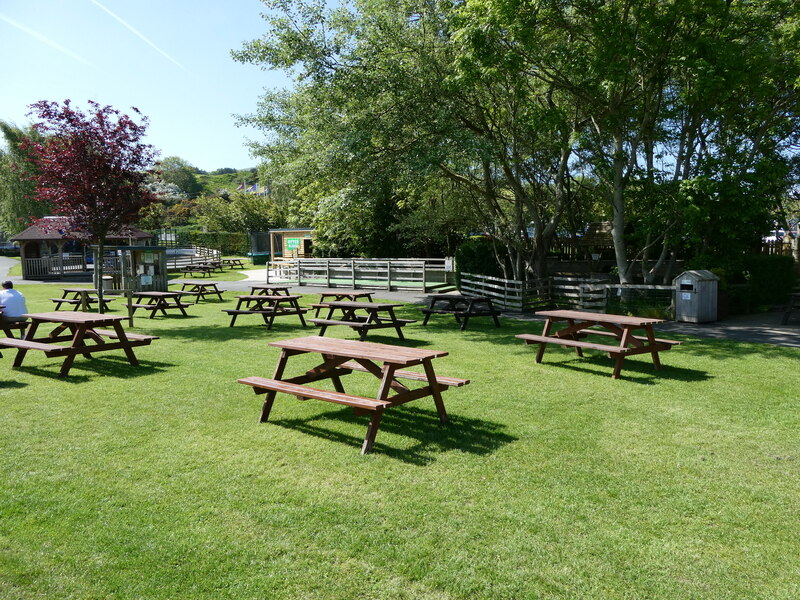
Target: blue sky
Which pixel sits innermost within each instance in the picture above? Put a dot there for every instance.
(169, 58)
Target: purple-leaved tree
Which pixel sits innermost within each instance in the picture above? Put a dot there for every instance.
(91, 168)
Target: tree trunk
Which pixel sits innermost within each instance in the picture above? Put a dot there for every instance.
(99, 270)
(618, 208)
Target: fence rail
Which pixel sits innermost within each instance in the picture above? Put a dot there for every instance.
(423, 274)
(593, 295)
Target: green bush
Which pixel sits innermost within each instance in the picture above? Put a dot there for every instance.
(476, 255)
(226, 242)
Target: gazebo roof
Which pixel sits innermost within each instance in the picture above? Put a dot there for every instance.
(37, 233)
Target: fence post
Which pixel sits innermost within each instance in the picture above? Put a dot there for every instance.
(425, 277)
(353, 271)
(328, 272)
(389, 275)
(299, 275)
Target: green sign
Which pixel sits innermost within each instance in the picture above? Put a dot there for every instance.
(292, 243)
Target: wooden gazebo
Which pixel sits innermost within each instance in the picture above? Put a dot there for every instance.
(47, 252)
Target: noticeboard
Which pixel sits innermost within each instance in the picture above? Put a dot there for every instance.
(292, 243)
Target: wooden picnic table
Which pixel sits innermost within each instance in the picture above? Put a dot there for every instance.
(233, 263)
(620, 327)
(461, 307)
(159, 301)
(325, 297)
(269, 290)
(79, 298)
(378, 315)
(342, 357)
(794, 303)
(199, 289)
(77, 328)
(268, 307)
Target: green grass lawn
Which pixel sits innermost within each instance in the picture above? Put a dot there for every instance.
(550, 481)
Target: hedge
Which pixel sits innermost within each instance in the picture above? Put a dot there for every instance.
(234, 243)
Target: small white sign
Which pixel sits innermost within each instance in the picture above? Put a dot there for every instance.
(146, 279)
(687, 282)
(686, 296)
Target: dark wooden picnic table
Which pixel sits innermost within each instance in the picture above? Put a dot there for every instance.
(377, 315)
(269, 290)
(233, 263)
(79, 298)
(81, 331)
(461, 307)
(199, 289)
(268, 307)
(325, 297)
(159, 301)
(620, 327)
(342, 357)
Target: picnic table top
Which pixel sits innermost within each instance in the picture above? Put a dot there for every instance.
(263, 297)
(599, 317)
(370, 306)
(203, 282)
(156, 294)
(80, 289)
(385, 353)
(74, 317)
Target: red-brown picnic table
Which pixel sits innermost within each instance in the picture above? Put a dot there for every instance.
(268, 307)
(622, 328)
(77, 328)
(341, 357)
(377, 315)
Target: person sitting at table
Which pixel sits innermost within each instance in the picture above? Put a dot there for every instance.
(14, 305)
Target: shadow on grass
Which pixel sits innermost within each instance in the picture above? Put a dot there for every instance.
(475, 436)
(111, 366)
(7, 385)
(635, 371)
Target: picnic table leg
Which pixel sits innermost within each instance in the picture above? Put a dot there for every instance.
(397, 327)
(296, 306)
(372, 431)
(21, 352)
(542, 345)
(122, 337)
(651, 339)
(578, 351)
(618, 366)
(270, 397)
(435, 392)
(77, 341)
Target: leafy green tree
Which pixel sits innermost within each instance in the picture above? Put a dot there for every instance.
(18, 205)
(175, 170)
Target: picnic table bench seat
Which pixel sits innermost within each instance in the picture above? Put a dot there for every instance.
(131, 336)
(361, 323)
(444, 382)
(641, 338)
(262, 385)
(29, 345)
(569, 342)
(152, 306)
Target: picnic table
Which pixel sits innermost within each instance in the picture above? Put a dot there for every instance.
(159, 301)
(342, 357)
(324, 297)
(79, 298)
(77, 328)
(378, 315)
(268, 307)
(202, 269)
(233, 263)
(620, 327)
(461, 307)
(199, 289)
(794, 303)
(269, 290)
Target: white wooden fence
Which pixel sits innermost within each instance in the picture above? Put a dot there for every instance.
(424, 274)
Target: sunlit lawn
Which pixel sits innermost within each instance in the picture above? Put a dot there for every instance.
(550, 481)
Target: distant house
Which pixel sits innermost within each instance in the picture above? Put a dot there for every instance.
(47, 252)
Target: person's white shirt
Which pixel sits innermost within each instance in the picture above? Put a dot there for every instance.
(14, 303)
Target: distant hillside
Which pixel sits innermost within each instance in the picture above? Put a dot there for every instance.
(219, 180)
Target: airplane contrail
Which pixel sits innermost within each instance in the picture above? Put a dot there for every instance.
(45, 40)
(142, 36)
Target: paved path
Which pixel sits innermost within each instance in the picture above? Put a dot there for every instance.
(764, 328)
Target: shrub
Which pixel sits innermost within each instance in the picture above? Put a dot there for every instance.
(770, 278)
(224, 241)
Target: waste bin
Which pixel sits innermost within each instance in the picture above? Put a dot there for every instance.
(696, 296)
(108, 283)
